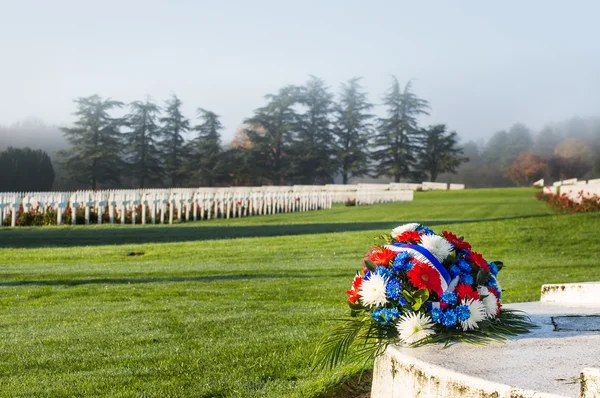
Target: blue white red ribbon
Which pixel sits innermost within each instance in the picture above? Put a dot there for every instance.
(426, 256)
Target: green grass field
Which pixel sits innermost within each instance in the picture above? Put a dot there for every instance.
(234, 308)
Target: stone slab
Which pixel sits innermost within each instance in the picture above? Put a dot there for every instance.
(575, 293)
(539, 364)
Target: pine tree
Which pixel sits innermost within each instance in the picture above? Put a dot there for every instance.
(25, 170)
(397, 135)
(269, 131)
(173, 144)
(95, 154)
(352, 130)
(440, 153)
(203, 165)
(312, 149)
(143, 154)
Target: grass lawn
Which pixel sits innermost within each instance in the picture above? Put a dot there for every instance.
(230, 308)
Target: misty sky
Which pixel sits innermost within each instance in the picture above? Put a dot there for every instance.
(482, 65)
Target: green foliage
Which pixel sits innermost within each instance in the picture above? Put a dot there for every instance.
(504, 147)
(172, 145)
(269, 131)
(439, 152)
(204, 164)
(360, 339)
(352, 130)
(398, 135)
(143, 153)
(312, 146)
(25, 170)
(95, 154)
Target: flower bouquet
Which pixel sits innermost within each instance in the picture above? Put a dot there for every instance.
(416, 288)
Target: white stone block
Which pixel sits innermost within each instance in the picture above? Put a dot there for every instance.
(574, 293)
(430, 186)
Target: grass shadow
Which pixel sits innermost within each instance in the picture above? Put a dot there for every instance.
(170, 279)
(120, 235)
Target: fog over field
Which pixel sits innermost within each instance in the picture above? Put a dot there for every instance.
(482, 66)
(266, 92)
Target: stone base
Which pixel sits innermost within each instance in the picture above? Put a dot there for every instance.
(551, 361)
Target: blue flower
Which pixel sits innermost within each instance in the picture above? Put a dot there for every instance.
(449, 298)
(463, 312)
(464, 265)
(383, 271)
(494, 269)
(454, 271)
(402, 301)
(436, 315)
(386, 316)
(367, 275)
(468, 279)
(402, 263)
(425, 230)
(394, 289)
(462, 252)
(449, 318)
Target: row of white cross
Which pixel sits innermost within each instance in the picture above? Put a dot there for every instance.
(379, 193)
(575, 189)
(166, 205)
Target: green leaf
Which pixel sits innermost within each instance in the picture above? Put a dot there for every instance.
(422, 294)
(420, 297)
(451, 259)
(370, 265)
(417, 305)
(385, 238)
(483, 277)
(499, 264)
(355, 306)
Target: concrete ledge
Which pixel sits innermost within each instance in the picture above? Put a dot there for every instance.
(572, 293)
(548, 362)
(398, 374)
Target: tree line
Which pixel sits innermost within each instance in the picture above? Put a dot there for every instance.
(519, 155)
(302, 135)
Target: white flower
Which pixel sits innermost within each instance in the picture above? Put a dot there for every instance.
(414, 326)
(437, 246)
(478, 314)
(372, 291)
(489, 301)
(403, 228)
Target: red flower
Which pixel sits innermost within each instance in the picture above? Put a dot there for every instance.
(456, 241)
(424, 276)
(409, 236)
(381, 256)
(463, 290)
(353, 293)
(479, 261)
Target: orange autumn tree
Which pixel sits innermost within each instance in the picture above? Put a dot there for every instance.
(525, 168)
